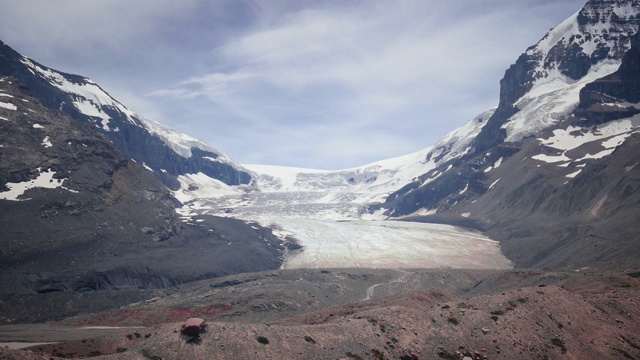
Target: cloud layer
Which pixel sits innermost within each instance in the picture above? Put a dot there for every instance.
(326, 84)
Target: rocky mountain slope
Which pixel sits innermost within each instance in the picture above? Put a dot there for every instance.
(77, 216)
(552, 173)
(166, 152)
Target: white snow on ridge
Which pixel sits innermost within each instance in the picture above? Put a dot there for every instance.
(182, 143)
(573, 174)
(548, 104)
(626, 11)
(457, 142)
(89, 99)
(92, 109)
(381, 177)
(564, 30)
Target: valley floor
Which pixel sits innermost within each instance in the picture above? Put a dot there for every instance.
(366, 314)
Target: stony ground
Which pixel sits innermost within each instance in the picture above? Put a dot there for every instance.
(377, 315)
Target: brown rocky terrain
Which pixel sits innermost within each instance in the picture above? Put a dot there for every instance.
(367, 314)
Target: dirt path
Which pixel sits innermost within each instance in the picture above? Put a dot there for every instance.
(23, 335)
(400, 279)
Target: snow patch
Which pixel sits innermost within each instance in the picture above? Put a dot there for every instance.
(611, 135)
(92, 109)
(573, 174)
(46, 142)
(376, 215)
(38, 126)
(8, 106)
(201, 186)
(493, 184)
(44, 180)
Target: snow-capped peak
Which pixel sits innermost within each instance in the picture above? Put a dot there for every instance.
(588, 45)
(599, 32)
(91, 100)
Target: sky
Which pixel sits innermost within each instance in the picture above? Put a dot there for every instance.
(327, 84)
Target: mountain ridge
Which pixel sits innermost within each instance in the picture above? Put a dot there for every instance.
(555, 139)
(166, 152)
(79, 218)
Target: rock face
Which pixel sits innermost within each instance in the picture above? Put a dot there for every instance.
(168, 153)
(598, 33)
(552, 172)
(599, 99)
(78, 216)
(57, 174)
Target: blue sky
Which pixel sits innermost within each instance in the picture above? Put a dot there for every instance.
(319, 84)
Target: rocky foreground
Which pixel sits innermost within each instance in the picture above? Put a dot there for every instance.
(369, 314)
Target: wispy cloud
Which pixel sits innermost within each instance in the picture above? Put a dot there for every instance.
(322, 84)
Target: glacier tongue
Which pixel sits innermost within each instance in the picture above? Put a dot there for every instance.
(389, 244)
(326, 211)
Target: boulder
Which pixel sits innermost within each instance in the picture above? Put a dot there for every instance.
(193, 327)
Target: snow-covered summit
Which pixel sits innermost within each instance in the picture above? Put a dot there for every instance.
(544, 84)
(164, 151)
(91, 100)
(599, 32)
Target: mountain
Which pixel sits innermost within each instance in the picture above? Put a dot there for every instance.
(549, 173)
(167, 153)
(84, 226)
(552, 174)
(550, 178)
